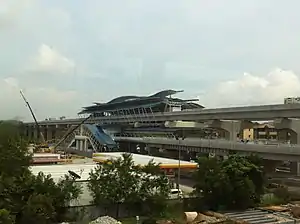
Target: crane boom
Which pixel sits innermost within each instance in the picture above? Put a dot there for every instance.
(34, 118)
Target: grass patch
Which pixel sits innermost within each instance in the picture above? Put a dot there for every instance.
(132, 220)
(270, 199)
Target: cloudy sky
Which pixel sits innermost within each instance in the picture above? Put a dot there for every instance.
(68, 54)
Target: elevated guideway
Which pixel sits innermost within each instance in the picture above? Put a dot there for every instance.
(255, 113)
(281, 152)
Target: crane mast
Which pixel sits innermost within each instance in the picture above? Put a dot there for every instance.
(34, 118)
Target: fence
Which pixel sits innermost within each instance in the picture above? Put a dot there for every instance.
(90, 212)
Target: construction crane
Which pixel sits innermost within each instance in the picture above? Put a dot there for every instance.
(44, 143)
(35, 120)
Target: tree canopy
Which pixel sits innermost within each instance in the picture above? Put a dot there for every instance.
(119, 181)
(25, 198)
(235, 183)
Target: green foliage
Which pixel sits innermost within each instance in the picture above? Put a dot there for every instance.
(270, 199)
(38, 209)
(14, 159)
(6, 217)
(235, 183)
(31, 199)
(118, 181)
(10, 129)
(283, 194)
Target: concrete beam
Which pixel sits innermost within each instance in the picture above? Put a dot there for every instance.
(255, 113)
(141, 125)
(185, 124)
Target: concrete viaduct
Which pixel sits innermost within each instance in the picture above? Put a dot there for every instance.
(232, 120)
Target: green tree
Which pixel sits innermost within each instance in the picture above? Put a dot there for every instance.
(14, 159)
(209, 184)
(257, 175)
(38, 209)
(119, 181)
(237, 182)
(31, 199)
(6, 217)
(154, 189)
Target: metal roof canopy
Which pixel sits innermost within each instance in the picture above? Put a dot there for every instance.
(131, 102)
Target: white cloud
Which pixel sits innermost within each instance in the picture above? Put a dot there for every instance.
(10, 11)
(143, 47)
(253, 89)
(54, 96)
(12, 82)
(49, 59)
(45, 101)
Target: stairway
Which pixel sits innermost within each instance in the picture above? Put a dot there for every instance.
(97, 138)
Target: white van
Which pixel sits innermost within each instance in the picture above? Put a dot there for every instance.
(175, 193)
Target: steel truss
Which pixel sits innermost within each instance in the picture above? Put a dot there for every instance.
(132, 117)
(142, 115)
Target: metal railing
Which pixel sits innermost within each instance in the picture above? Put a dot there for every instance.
(287, 149)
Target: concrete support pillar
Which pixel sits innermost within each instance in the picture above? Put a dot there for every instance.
(283, 135)
(85, 145)
(77, 144)
(36, 135)
(81, 142)
(295, 168)
(49, 133)
(288, 129)
(233, 128)
(26, 131)
(270, 165)
(44, 131)
(59, 133)
(31, 133)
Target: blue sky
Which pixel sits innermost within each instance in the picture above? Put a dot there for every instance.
(68, 54)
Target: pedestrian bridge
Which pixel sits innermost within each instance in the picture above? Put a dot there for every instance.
(283, 152)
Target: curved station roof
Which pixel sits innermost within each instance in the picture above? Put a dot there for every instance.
(158, 102)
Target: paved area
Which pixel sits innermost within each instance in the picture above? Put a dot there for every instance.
(259, 217)
(186, 189)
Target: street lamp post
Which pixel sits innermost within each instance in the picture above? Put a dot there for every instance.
(180, 137)
(179, 165)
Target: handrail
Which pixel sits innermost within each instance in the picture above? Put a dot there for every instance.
(280, 149)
